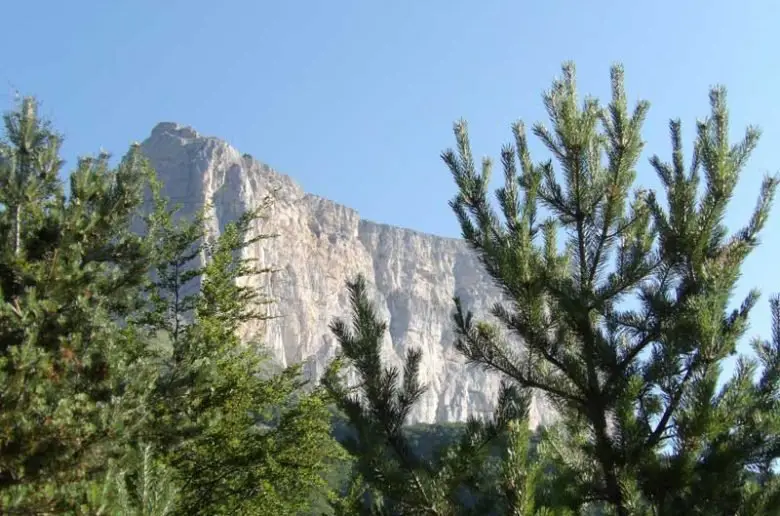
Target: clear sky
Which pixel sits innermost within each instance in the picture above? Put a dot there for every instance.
(356, 99)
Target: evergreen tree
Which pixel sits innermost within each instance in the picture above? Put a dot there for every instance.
(240, 438)
(626, 326)
(399, 481)
(102, 346)
(70, 270)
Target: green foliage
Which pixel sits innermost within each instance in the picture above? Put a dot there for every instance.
(145, 490)
(646, 428)
(429, 440)
(448, 479)
(119, 327)
(70, 270)
(238, 440)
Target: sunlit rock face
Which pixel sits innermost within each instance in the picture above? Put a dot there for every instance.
(412, 276)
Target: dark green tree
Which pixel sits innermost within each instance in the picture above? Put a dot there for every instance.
(70, 270)
(241, 439)
(456, 479)
(119, 326)
(626, 326)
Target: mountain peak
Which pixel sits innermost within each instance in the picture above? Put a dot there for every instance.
(176, 129)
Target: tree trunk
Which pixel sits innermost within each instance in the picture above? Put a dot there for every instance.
(17, 229)
(605, 454)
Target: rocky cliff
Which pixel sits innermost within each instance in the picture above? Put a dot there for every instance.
(321, 244)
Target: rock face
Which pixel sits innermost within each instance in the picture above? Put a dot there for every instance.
(321, 244)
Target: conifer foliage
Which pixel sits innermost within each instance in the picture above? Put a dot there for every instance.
(240, 440)
(456, 480)
(70, 270)
(124, 386)
(637, 388)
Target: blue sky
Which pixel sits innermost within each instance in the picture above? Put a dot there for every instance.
(356, 99)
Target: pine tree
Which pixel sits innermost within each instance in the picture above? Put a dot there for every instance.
(240, 438)
(627, 325)
(31, 159)
(398, 481)
(102, 347)
(70, 270)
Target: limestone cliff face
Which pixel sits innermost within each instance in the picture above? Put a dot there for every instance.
(321, 244)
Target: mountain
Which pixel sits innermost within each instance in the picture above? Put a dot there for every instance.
(412, 276)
